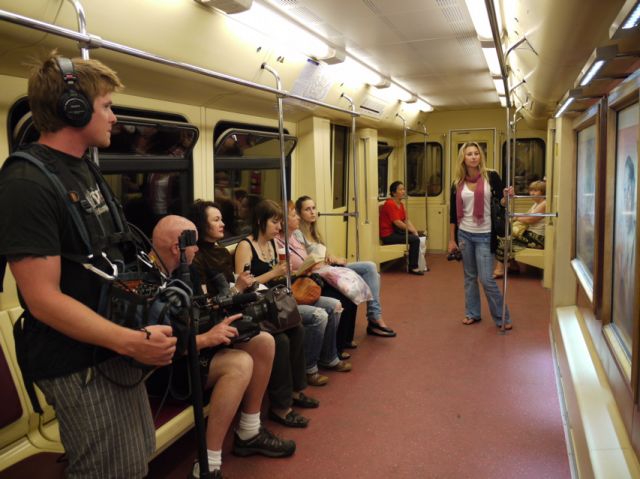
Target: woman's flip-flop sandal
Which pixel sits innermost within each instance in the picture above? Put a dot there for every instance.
(469, 321)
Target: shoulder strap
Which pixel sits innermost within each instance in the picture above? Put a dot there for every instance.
(92, 233)
(65, 194)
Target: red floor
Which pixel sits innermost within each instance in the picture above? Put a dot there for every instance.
(442, 400)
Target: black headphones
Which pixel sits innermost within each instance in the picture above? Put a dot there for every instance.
(73, 106)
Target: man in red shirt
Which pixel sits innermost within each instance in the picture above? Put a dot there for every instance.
(394, 225)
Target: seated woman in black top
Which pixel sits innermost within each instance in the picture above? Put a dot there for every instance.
(288, 377)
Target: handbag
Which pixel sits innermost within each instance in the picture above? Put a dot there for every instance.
(307, 289)
(283, 310)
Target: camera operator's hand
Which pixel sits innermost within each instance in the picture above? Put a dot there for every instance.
(221, 333)
(244, 280)
(154, 345)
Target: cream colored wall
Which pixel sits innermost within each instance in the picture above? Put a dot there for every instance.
(367, 196)
(564, 279)
(312, 177)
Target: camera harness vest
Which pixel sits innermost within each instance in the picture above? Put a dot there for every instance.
(128, 307)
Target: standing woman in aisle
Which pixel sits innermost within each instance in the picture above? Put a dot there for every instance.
(475, 189)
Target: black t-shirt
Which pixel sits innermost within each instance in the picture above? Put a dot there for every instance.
(34, 221)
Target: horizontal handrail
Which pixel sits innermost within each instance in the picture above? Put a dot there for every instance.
(533, 215)
(529, 196)
(345, 215)
(92, 41)
(417, 131)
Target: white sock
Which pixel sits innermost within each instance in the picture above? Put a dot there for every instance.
(248, 426)
(215, 462)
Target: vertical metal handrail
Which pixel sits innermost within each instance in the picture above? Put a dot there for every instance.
(283, 170)
(365, 145)
(426, 198)
(406, 199)
(507, 236)
(355, 173)
(84, 52)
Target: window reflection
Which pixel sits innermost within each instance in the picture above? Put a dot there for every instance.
(247, 168)
(528, 165)
(384, 151)
(424, 174)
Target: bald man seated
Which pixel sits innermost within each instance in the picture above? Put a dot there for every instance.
(239, 374)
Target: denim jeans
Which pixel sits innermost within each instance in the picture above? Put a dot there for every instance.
(477, 261)
(320, 323)
(369, 273)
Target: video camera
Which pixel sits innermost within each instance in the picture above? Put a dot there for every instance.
(254, 308)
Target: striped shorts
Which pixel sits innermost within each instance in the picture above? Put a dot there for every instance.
(107, 430)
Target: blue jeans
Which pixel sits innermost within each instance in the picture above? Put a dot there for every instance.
(320, 323)
(369, 273)
(477, 261)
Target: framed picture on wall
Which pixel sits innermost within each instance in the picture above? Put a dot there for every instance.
(621, 297)
(625, 287)
(625, 227)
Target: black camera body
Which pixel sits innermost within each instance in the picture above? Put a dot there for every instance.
(254, 310)
(455, 255)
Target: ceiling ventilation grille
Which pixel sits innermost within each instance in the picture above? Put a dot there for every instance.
(461, 27)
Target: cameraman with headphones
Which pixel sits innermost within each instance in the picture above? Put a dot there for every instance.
(238, 375)
(71, 352)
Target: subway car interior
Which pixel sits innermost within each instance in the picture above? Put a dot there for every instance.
(234, 101)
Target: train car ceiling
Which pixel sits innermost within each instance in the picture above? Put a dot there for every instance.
(430, 47)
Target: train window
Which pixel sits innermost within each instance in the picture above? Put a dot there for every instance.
(384, 151)
(340, 141)
(529, 163)
(247, 169)
(424, 177)
(148, 164)
(586, 202)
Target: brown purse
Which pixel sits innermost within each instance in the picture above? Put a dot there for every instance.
(306, 290)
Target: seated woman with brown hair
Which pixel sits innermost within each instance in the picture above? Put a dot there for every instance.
(310, 237)
(288, 378)
(320, 349)
(288, 374)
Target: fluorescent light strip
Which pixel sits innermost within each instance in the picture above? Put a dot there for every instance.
(595, 68)
(491, 56)
(633, 18)
(566, 104)
(287, 34)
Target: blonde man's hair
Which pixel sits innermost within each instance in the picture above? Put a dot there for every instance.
(539, 185)
(461, 170)
(46, 87)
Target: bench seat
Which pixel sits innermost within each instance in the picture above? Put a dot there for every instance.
(530, 256)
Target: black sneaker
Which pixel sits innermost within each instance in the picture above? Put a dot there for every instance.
(265, 443)
(195, 472)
